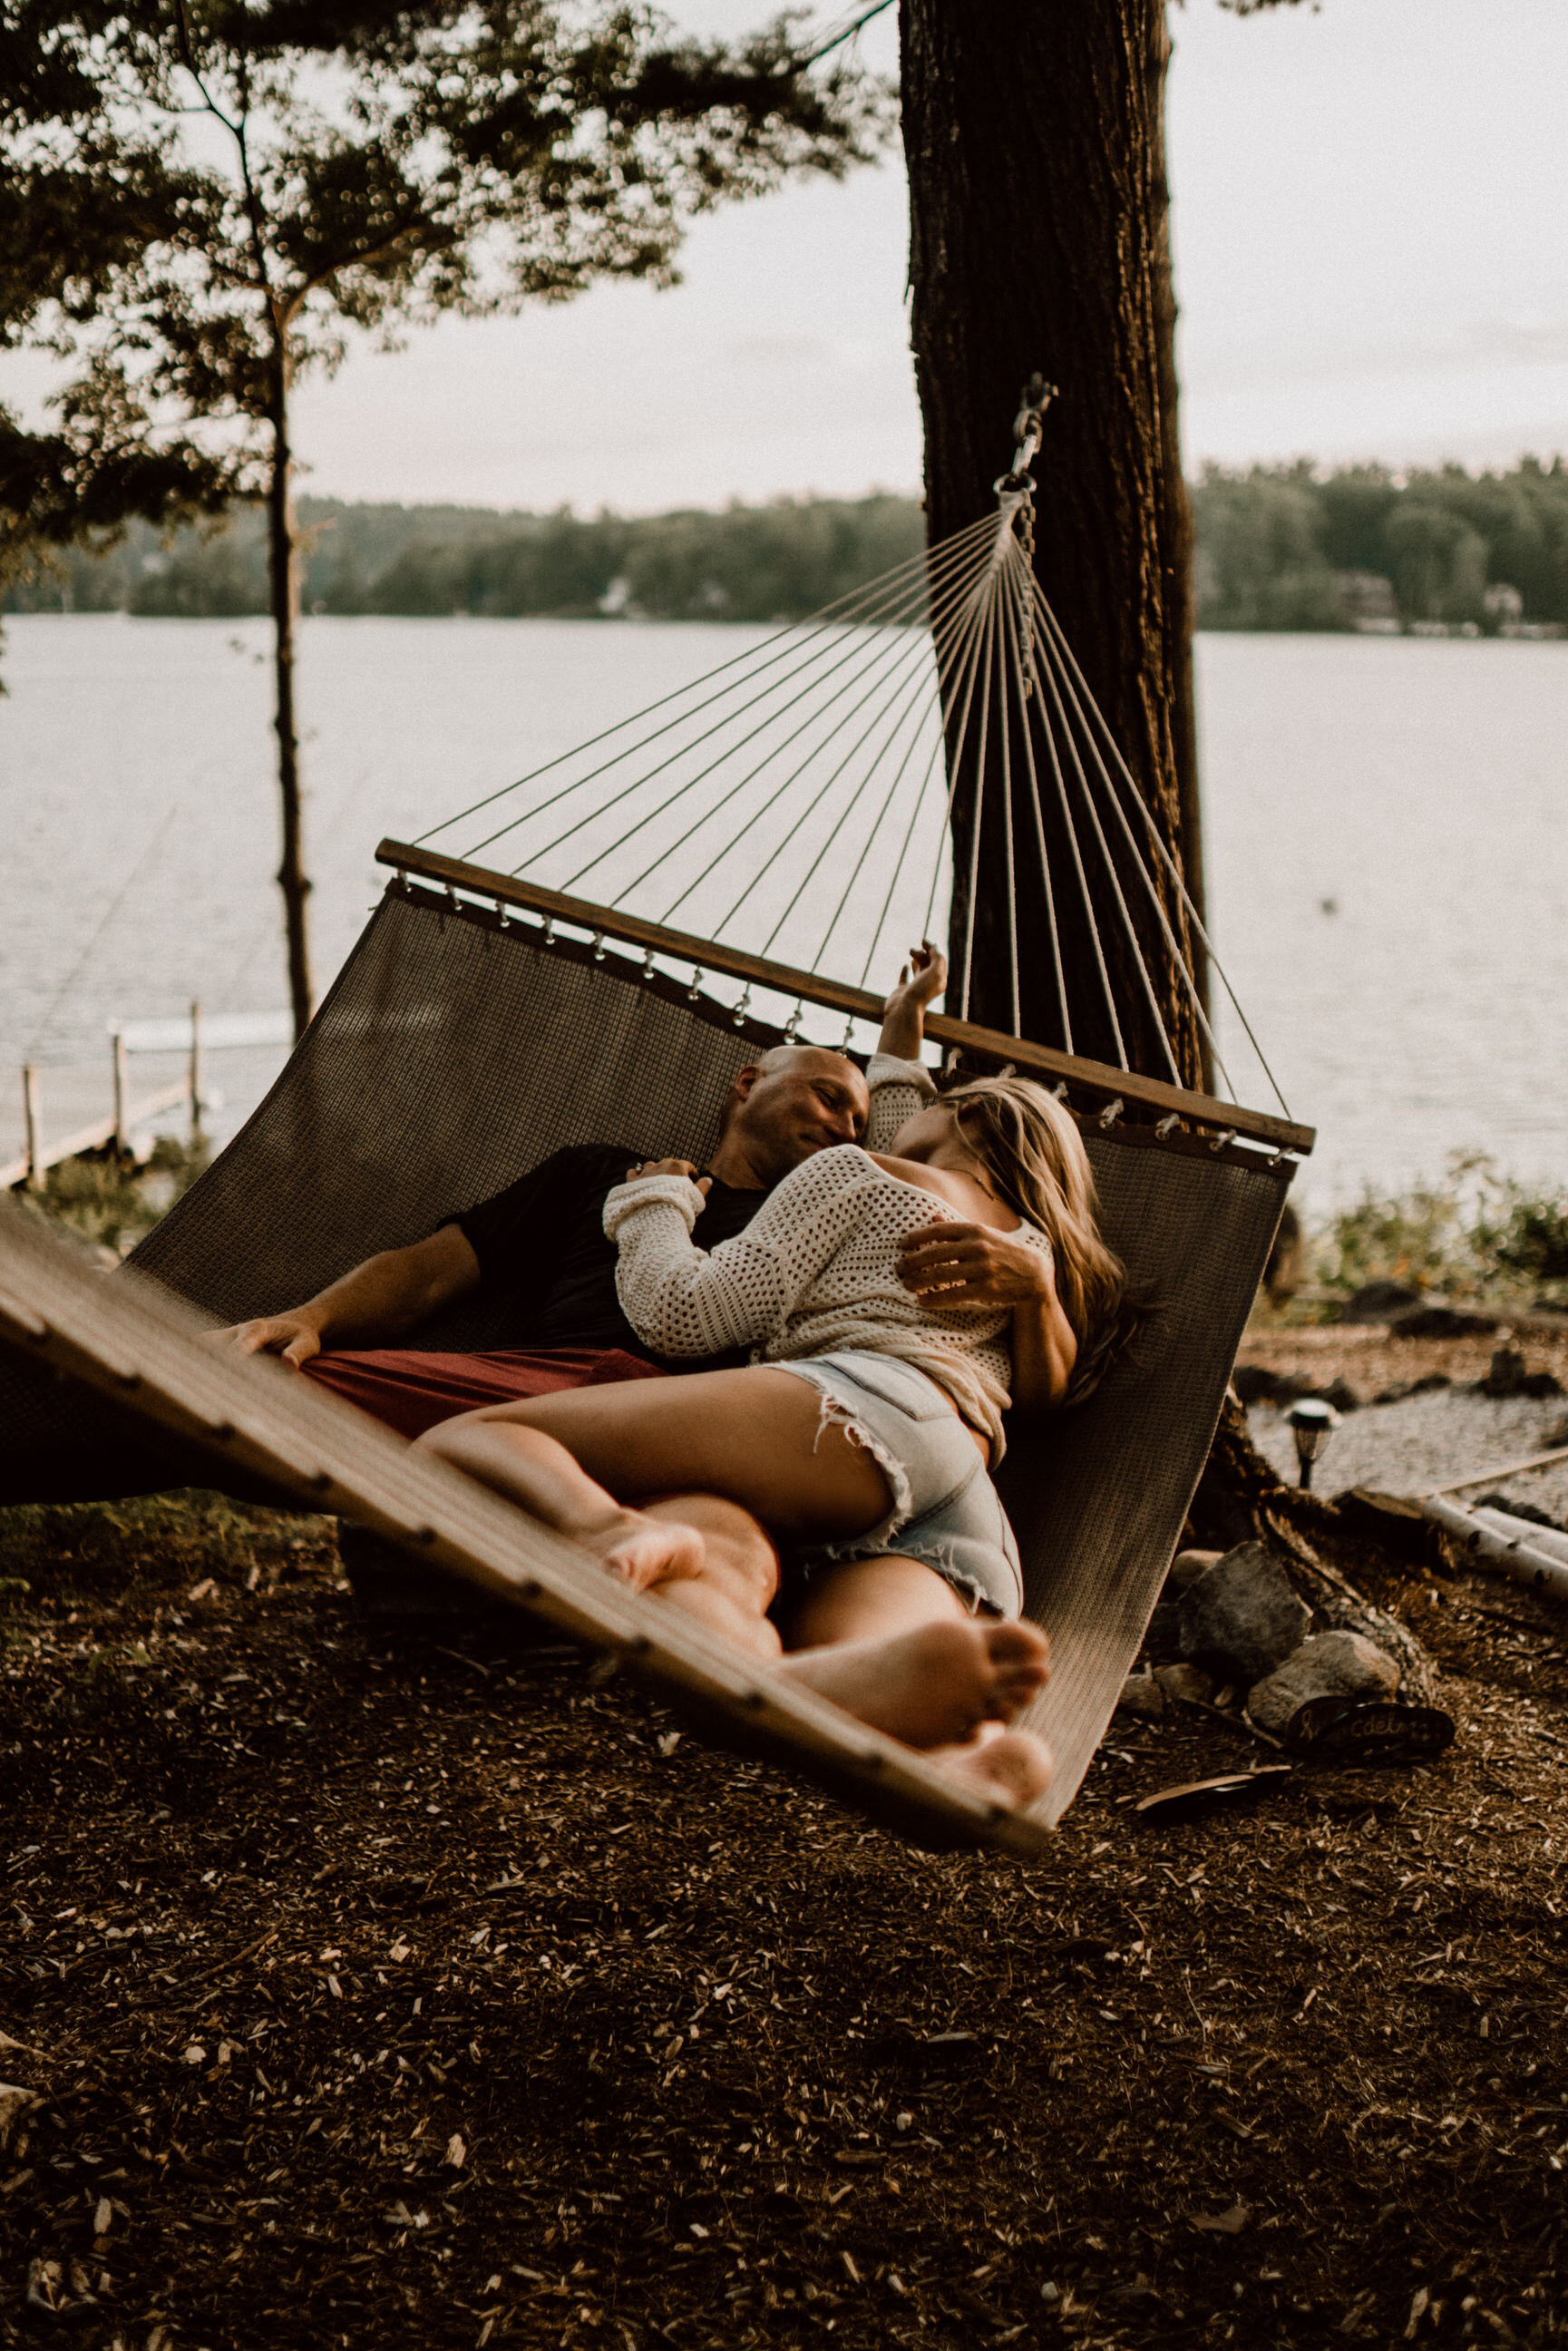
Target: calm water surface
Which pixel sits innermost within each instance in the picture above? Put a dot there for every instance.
(1387, 841)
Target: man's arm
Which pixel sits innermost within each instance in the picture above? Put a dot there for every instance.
(378, 1302)
(972, 1265)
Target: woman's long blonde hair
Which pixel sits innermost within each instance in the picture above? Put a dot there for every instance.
(1029, 1147)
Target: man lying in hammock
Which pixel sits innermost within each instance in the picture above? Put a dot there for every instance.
(862, 1429)
(541, 1246)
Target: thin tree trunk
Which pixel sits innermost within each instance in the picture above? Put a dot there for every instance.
(1039, 241)
(283, 563)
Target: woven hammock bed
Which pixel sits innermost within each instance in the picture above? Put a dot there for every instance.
(488, 1016)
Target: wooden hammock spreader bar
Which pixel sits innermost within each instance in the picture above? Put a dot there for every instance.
(1044, 1060)
(135, 1342)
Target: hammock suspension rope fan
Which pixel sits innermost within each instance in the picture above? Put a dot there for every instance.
(796, 800)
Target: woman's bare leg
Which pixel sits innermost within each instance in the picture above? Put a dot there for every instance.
(536, 1471)
(756, 1437)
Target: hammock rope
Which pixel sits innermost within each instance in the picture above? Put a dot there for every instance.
(844, 740)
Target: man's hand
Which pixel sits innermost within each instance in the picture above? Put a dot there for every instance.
(972, 1265)
(294, 1337)
(921, 981)
(670, 1167)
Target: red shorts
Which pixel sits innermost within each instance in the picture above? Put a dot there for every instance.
(411, 1390)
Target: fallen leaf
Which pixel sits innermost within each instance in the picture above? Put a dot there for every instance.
(14, 2102)
(1223, 2224)
(456, 2153)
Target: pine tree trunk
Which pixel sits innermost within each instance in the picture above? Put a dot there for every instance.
(283, 565)
(1040, 241)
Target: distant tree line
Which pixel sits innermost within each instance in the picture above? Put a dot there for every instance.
(1280, 548)
(1277, 548)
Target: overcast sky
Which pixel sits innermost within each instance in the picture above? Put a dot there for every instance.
(1371, 253)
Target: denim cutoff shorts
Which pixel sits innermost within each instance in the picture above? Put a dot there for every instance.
(946, 1512)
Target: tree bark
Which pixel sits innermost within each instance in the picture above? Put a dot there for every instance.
(1040, 241)
(283, 567)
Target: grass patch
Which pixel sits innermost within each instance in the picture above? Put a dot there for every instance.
(114, 1202)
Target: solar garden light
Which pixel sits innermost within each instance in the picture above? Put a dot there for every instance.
(1312, 1423)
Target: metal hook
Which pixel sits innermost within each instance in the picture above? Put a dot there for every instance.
(695, 990)
(1111, 1113)
(648, 965)
(1227, 1135)
(1168, 1125)
(503, 920)
(549, 930)
(793, 1022)
(599, 947)
(744, 1005)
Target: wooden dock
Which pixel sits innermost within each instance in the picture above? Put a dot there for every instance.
(63, 1111)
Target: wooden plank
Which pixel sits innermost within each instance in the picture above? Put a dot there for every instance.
(134, 1341)
(1043, 1061)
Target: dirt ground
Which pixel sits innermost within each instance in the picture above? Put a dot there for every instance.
(376, 1991)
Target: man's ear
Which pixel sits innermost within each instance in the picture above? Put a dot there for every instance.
(746, 1078)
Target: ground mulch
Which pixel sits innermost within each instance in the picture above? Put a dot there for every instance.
(382, 1989)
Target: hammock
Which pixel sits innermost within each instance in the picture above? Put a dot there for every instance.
(798, 796)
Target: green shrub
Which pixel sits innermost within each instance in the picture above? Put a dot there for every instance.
(1475, 1234)
(114, 1204)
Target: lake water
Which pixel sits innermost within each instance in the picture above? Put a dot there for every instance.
(1387, 843)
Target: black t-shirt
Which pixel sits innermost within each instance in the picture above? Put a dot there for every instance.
(544, 1255)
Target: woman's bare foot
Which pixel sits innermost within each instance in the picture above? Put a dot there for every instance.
(932, 1687)
(1012, 1768)
(640, 1550)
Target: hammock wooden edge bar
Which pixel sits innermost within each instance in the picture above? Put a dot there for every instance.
(1098, 1077)
(132, 1340)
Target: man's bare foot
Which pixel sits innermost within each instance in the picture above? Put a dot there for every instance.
(934, 1686)
(1012, 1768)
(641, 1552)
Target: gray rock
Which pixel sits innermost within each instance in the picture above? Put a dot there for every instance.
(1188, 1682)
(1331, 1665)
(1188, 1565)
(1141, 1695)
(1375, 1301)
(1242, 1616)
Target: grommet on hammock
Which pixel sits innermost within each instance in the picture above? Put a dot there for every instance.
(1110, 1114)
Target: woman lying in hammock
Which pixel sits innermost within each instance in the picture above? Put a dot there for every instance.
(863, 1432)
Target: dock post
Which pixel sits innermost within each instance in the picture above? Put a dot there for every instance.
(195, 1071)
(33, 1127)
(121, 1140)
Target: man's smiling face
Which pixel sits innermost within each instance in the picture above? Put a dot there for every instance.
(799, 1099)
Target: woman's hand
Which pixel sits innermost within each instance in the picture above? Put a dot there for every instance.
(670, 1167)
(921, 981)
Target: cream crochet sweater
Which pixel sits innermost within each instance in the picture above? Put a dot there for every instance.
(814, 1271)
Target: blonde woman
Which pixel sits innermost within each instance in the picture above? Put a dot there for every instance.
(863, 1430)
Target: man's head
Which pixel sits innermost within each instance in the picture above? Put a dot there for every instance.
(796, 1099)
